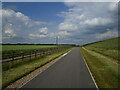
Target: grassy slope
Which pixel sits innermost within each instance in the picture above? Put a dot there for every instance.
(21, 70)
(107, 47)
(25, 47)
(103, 66)
(106, 44)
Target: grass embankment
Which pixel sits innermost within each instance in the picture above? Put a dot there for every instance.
(15, 73)
(103, 61)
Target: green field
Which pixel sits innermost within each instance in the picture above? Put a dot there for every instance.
(103, 60)
(10, 51)
(25, 47)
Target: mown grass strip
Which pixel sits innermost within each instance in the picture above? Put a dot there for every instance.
(105, 71)
(15, 73)
(110, 53)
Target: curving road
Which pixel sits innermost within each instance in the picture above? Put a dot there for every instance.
(69, 72)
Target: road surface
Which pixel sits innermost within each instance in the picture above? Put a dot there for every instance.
(69, 72)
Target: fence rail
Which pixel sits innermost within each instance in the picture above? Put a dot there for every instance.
(23, 54)
(15, 60)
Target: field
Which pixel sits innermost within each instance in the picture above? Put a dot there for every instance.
(12, 51)
(103, 60)
(25, 47)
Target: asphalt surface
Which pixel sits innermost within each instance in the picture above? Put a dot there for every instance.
(69, 72)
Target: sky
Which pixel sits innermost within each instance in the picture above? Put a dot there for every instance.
(72, 22)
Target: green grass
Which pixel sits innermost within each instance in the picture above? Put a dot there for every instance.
(15, 73)
(10, 51)
(107, 47)
(25, 47)
(106, 44)
(103, 61)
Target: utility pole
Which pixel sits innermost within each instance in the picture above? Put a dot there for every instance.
(56, 40)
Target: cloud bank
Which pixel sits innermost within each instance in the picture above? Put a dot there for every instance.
(82, 23)
(88, 22)
(17, 25)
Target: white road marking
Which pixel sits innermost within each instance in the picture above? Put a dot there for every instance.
(90, 71)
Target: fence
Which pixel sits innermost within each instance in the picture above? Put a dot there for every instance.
(17, 57)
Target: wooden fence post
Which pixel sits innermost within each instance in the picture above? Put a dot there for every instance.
(12, 63)
(12, 55)
(30, 55)
(9, 65)
(22, 55)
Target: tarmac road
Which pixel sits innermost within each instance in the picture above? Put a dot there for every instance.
(69, 72)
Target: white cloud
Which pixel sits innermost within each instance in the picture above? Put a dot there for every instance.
(113, 6)
(71, 4)
(81, 18)
(37, 36)
(72, 18)
(67, 26)
(8, 32)
(87, 19)
(43, 30)
(63, 34)
(80, 22)
(20, 17)
(16, 24)
(107, 34)
(97, 22)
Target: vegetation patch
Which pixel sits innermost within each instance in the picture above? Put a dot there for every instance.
(103, 60)
(25, 47)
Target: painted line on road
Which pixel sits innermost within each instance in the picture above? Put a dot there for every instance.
(90, 71)
(45, 69)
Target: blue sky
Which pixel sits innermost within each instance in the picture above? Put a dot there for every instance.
(73, 23)
(43, 11)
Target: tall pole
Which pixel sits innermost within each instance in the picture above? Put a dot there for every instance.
(56, 40)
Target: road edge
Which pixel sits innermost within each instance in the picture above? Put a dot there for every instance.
(89, 70)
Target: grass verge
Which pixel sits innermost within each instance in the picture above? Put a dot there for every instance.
(15, 73)
(104, 69)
